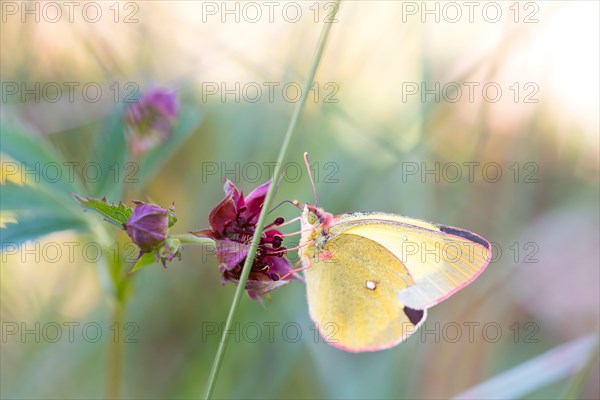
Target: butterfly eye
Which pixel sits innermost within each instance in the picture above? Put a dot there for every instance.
(312, 218)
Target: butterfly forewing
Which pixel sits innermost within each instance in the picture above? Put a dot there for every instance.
(440, 259)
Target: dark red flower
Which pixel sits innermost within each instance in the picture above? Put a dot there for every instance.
(232, 224)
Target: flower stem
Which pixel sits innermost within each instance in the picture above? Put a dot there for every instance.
(188, 238)
(114, 355)
(119, 293)
(263, 214)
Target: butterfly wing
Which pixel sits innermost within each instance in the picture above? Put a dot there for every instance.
(439, 259)
(352, 289)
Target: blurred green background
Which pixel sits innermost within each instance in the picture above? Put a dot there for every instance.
(365, 133)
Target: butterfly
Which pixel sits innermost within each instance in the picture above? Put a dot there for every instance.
(371, 276)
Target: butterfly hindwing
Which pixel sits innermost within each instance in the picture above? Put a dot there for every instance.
(352, 288)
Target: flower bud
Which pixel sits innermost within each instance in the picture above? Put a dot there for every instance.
(148, 226)
(151, 119)
(171, 249)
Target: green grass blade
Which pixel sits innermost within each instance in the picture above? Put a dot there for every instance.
(270, 194)
(549, 367)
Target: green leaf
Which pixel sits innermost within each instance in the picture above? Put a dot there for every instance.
(145, 260)
(109, 151)
(189, 121)
(31, 227)
(34, 155)
(38, 211)
(40, 206)
(117, 214)
(33, 199)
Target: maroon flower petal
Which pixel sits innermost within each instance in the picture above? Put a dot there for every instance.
(230, 254)
(231, 190)
(256, 288)
(222, 215)
(257, 197)
(207, 233)
(280, 266)
(254, 202)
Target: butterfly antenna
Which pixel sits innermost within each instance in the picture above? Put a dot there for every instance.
(312, 182)
(282, 203)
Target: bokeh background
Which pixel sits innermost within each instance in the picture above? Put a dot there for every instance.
(366, 132)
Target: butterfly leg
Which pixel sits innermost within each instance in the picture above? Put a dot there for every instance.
(294, 271)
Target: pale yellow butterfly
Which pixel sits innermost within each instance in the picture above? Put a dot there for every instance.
(371, 276)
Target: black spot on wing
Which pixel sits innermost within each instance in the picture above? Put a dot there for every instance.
(464, 234)
(414, 316)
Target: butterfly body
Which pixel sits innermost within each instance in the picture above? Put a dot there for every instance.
(369, 280)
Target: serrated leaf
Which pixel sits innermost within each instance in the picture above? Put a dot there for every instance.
(117, 214)
(145, 260)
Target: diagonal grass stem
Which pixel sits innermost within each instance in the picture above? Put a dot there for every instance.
(270, 194)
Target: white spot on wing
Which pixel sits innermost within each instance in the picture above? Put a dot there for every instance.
(370, 285)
